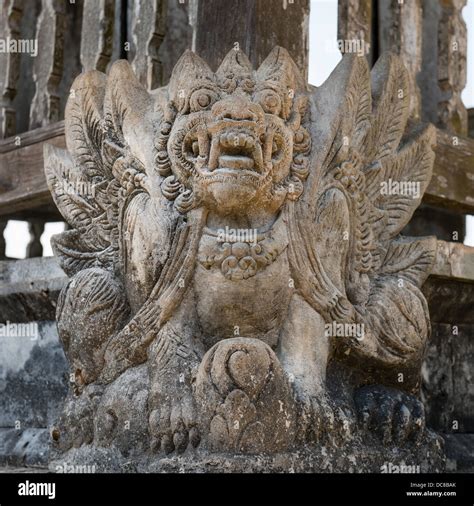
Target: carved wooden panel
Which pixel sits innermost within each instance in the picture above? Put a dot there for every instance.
(23, 189)
(454, 173)
(48, 65)
(10, 16)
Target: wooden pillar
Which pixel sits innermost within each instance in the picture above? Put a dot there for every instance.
(255, 25)
(178, 36)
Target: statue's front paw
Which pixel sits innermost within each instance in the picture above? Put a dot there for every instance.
(245, 399)
(172, 422)
(393, 415)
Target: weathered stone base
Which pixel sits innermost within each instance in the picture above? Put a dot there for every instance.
(459, 452)
(29, 447)
(353, 457)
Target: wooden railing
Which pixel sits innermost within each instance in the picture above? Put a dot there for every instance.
(25, 190)
(90, 34)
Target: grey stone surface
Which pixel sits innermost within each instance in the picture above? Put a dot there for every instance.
(460, 452)
(22, 469)
(33, 376)
(29, 447)
(29, 289)
(240, 295)
(450, 300)
(447, 378)
(359, 456)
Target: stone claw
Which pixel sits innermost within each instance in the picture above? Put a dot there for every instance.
(394, 416)
(173, 428)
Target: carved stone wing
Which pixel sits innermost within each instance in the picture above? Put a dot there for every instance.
(368, 176)
(381, 169)
(88, 243)
(107, 119)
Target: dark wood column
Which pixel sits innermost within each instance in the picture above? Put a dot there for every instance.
(256, 25)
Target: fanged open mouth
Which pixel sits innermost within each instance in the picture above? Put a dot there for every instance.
(232, 150)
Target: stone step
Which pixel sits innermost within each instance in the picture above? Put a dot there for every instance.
(29, 289)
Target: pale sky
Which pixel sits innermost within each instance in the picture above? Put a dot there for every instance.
(323, 58)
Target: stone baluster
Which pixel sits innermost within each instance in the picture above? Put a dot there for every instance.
(470, 113)
(148, 31)
(3, 225)
(48, 65)
(36, 229)
(10, 16)
(401, 31)
(452, 66)
(97, 34)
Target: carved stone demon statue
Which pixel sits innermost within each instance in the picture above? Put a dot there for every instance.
(239, 284)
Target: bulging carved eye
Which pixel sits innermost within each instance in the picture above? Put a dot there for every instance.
(270, 101)
(202, 99)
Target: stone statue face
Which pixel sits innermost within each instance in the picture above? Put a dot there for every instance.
(231, 140)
